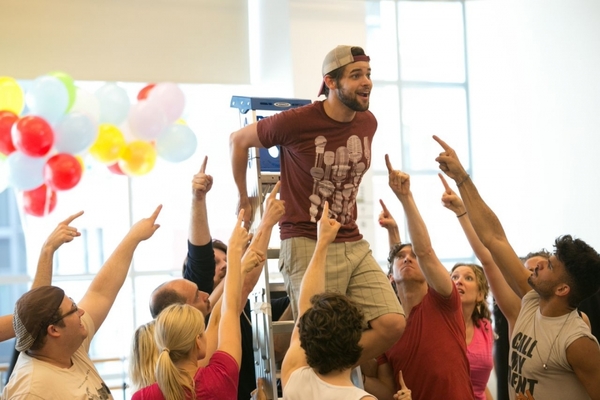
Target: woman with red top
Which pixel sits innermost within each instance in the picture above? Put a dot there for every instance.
(182, 341)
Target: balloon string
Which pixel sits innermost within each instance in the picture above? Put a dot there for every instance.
(47, 203)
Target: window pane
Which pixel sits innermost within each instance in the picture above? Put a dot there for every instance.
(386, 108)
(433, 111)
(382, 39)
(431, 41)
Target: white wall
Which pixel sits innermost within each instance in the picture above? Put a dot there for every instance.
(535, 101)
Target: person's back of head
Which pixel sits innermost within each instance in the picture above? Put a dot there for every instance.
(164, 296)
(176, 330)
(582, 264)
(143, 356)
(330, 331)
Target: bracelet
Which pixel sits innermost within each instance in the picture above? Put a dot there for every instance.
(463, 214)
(466, 178)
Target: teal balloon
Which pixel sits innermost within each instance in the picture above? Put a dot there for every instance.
(177, 143)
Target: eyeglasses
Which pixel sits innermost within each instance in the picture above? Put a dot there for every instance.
(73, 310)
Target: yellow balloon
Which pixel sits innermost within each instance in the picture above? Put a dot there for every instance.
(109, 144)
(138, 158)
(11, 95)
(181, 121)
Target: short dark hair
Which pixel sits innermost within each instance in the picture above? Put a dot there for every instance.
(337, 74)
(330, 331)
(582, 264)
(162, 298)
(541, 253)
(394, 250)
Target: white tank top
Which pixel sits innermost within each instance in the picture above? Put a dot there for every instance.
(305, 384)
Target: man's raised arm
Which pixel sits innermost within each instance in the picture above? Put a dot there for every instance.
(103, 290)
(434, 271)
(239, 143)
(484, 221)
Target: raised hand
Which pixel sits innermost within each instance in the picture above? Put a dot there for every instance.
(450, 199)
(274, 208)
(145, 228)
(399, 181)
(327, 228)
(201, 182)
(386, 220)
(404, 393)
(245, 205)
(239, 237)
(253, 257)
(449, 162)
(63, 233)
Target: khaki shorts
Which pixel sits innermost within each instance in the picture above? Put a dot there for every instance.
(351, 269)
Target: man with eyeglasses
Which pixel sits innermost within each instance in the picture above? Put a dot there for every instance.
(54, 334)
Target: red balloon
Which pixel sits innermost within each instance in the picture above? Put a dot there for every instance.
(7, 120)
(35, 201)
(143, 94)
(115, 169)
(33, 136)
(62, 171)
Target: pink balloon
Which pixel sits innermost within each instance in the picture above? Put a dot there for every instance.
(147, 120)
(169, 97)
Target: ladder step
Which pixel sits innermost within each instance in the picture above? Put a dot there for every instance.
(283, 326)
(277, 287)
(273, 254)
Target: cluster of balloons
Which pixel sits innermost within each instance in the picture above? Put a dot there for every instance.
(45, 132)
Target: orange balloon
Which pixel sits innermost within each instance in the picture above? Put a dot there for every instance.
(108, 145)
(138, 158)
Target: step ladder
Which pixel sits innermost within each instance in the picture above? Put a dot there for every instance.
(261, 177)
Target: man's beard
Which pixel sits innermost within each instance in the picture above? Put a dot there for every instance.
(351, 102)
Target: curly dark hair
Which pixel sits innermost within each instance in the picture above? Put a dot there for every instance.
(330, 331)
(337, 74)
(582, 264)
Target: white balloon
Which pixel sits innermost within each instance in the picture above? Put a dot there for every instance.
(86, 103)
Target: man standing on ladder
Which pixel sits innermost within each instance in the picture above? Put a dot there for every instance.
(325, 152)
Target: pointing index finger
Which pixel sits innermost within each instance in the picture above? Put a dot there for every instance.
(385, 210)
(72, 217)
(275, 190)
(448, 190)
(203, 167)
(388, 164)
(401, 380)
(441, 142)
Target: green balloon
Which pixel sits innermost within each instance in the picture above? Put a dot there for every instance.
(69, 84)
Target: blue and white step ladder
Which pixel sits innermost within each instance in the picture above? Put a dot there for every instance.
(261, 177)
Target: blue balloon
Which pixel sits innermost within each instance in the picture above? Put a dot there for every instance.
(177, 143)
(47, 98)
(24, 172)
(3, 175)
(75, 133)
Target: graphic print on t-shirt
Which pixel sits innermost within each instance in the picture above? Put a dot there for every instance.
(521, 352)
(336, 175)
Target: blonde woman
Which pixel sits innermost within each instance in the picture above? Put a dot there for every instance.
(181, 340)
(143, 357)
